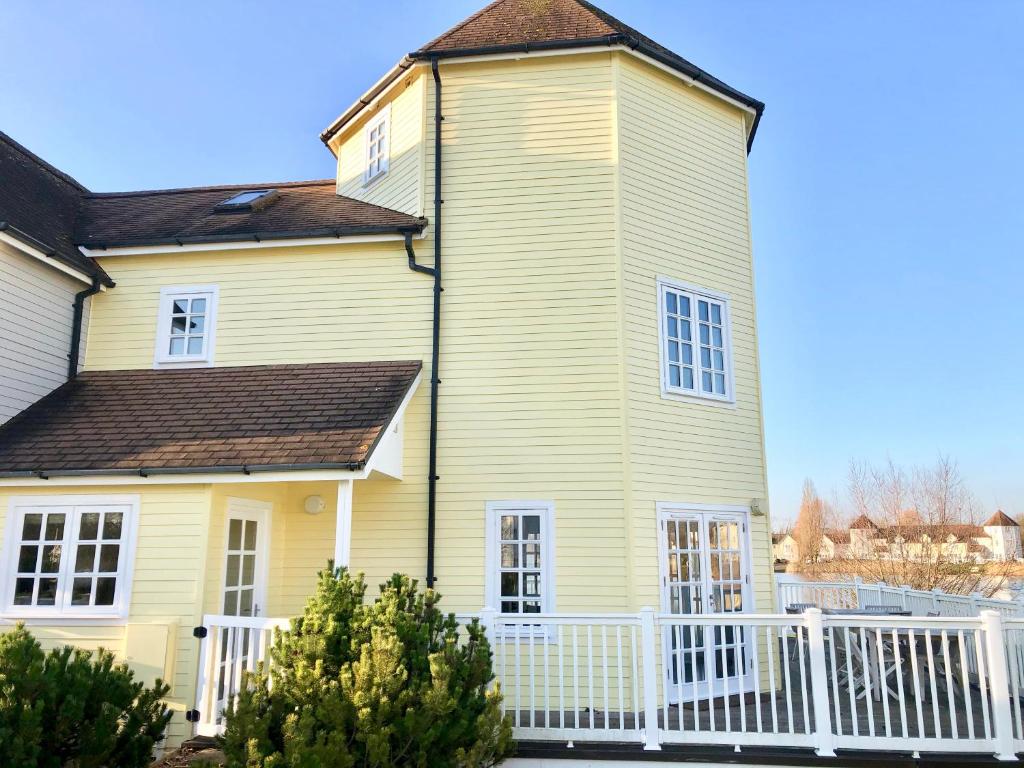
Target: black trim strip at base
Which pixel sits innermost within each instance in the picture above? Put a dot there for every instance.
(678, 753)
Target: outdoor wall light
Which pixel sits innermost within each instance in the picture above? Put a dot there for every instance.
(314, 505)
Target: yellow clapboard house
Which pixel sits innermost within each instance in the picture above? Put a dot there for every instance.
(511, 350)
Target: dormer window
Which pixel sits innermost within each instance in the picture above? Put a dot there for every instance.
(378, 145)
(185, 326)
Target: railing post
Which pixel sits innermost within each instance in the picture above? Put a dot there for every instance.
(815, 625)
(858, 582)
(998, 684)
(487, 623)
(935, 599)
(648, 644)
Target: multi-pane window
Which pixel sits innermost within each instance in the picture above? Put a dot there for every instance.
(69, 559)
(519, 581)
(377, 146)
(694, 336)
(186, 324)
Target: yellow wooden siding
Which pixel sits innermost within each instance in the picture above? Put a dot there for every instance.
(683, 192)
(530, 405)
(401, 187)
(169, 573)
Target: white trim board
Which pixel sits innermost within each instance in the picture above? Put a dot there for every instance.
(239, 245)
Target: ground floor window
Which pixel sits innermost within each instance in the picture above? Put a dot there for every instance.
(69, 557)
(519, 557)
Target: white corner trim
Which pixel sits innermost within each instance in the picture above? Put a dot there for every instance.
(161, 359)
(35, 253)
(117, 613)
(239, 245)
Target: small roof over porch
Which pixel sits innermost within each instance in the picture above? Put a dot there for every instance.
(245, 419)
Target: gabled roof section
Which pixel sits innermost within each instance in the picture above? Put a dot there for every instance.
(508, 26)
(863, 522)
(301, 209)
(244, 419)
(39, 205)
(1000, 520)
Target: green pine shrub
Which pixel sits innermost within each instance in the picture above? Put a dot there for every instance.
(70, 708)
(384, 684)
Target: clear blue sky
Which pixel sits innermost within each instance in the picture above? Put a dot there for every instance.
(885, 181)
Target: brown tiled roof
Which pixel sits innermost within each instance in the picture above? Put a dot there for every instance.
(175, 216)
(838, 537)
(39, 205)
(524, 25)
(1002, 520)
(323, 414)
(862, 522)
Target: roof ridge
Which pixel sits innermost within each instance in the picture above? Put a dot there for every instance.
(214, 188)
(51, 169)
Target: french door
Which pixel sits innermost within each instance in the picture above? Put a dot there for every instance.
(244, 593)
(705, 569)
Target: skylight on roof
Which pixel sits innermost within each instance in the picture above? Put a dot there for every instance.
(244, 201)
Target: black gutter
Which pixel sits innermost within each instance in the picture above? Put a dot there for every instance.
(244, 237)
(76, 325)
(88, 270)
(246, 469)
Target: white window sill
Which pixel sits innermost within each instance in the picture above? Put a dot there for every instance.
(685, 397)
(178, 363)
(367, 183)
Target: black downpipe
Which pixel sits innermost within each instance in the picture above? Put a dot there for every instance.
(434, 272)
(76, 326)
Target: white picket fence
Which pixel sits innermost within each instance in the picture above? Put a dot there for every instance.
(813, 680)
(857, 594)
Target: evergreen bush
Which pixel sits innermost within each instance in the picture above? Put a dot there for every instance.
(70, 708)
(382, 684)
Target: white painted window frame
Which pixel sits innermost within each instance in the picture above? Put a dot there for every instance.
(18, 507)
(695, 292)
(381, 118)
(492, 558)
(161, 357)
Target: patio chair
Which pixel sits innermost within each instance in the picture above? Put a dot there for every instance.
(795, 608)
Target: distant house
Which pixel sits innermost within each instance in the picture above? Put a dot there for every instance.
(834, 544)
(997, 539)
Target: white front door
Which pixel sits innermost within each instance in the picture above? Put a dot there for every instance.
(245, 558)
(705, 569)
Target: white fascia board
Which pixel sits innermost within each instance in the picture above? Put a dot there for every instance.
(199, 478)
(387, 454)
(35, 253)
(154, 250)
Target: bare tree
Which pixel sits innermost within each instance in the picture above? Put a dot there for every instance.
(915, 528)
(811, 524)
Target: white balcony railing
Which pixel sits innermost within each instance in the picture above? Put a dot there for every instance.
(813, 680)
(857, 594)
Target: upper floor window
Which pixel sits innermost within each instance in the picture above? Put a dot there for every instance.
(185, 325)
(519, 547)
(695, 350)
(69, 559)
(378, 145)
